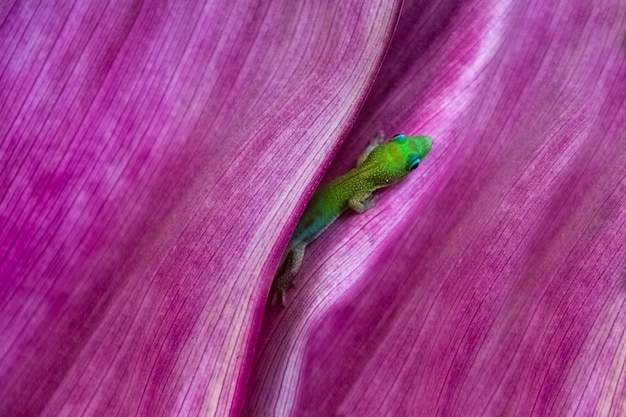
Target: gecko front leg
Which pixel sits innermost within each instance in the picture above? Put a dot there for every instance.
(361, 202)
(284, 281)
(376, 140)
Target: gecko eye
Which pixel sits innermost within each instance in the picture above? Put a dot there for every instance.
(399, 138)
(414, 161)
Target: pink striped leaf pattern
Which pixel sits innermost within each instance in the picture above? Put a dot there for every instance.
(156, 155)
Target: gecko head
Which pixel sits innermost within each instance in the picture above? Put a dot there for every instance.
(394, 160)
(405, 153)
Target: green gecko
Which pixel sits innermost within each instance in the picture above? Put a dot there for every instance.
(379, 166)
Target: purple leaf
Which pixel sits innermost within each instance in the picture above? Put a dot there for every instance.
(156, 155)
(492, 282)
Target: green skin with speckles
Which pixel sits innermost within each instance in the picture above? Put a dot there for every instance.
(378, 167)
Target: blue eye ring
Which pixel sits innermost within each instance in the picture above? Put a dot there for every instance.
(414, 161)
(399, 138)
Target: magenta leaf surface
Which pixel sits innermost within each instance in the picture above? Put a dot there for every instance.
(153, 159)
(156, 156)
(492, 282)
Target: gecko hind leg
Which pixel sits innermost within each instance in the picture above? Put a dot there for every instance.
(284, 281)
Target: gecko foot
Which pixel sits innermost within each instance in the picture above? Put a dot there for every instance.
(279, 295)
(374, 142)
(378, 138)
(280, 288)
(362, 202)
(284, 281)
(370, 202)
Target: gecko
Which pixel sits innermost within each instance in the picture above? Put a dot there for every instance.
(379, 166)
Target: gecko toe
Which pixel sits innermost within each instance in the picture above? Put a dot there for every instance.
(279, 297)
